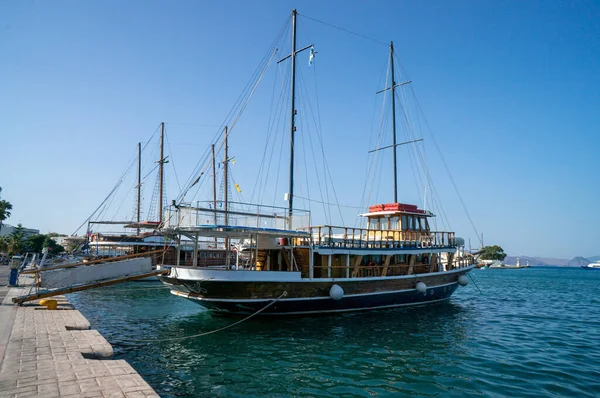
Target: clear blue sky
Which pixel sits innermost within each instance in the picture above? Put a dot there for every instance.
(511, 90)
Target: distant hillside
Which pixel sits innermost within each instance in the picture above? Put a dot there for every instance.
(512, 260)
(541, 261)
(578, 262)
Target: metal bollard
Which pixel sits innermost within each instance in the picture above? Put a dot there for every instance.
(14, 271)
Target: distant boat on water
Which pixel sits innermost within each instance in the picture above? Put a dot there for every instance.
(592, 266)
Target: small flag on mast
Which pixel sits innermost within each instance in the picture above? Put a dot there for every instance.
(311, 56)
(237, 188)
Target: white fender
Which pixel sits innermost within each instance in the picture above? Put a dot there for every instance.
(336, 292)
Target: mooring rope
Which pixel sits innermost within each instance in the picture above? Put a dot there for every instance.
(470, 276)
(212, 331)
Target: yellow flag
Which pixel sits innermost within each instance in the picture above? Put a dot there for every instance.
(237, 188)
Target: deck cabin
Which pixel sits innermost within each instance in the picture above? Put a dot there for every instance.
(397, 241)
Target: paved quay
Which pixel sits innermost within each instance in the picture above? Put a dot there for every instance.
(55, 354)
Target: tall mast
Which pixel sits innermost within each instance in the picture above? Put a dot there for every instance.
(225, 197)
(214, 173)
(394, 122)
(160, 172)
(139, 185)
(292, 120)
(214, 183)
(225, 177)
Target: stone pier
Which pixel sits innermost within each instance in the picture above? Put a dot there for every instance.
(45, 353)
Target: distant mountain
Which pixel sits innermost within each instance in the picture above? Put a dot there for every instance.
(578, 262)
(512, 260)
(575, 262)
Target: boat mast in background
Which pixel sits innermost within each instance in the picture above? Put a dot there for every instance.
(226, 196)
(139, 186)
(225, 177)
(292, 120)
(161, 163)
(394, 122)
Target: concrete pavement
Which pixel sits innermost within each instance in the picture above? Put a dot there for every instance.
(55, 354)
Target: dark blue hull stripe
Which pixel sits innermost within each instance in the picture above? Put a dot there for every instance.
(328, 305)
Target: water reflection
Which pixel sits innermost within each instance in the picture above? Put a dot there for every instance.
(526, 335)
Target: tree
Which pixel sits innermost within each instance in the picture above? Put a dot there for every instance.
(493, 253)
(53, 247)
(35, 243)
(58, 249)
(5, 208)
(72, 247)
(16, 240)
(3, 244)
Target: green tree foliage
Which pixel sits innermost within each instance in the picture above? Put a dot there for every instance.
(53, 247)
(3, 244)
(493, 253)
(16, 241)
(72, 247)
(5, 208)
(36, 243)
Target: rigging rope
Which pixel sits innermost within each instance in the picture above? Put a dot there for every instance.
(241, 111)
(115, 188)
(345, 30)
(331, 204)
(172, 160)
(198, 171)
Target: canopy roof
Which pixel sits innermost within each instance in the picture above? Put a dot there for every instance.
(225, 231)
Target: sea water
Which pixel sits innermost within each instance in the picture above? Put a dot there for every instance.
(529, 333)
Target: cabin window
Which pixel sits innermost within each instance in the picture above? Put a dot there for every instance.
(384, 223)
(411, 223)
(373, 223)
(401, 259)
(404, 223)
(202, 255)
(414, 223)
(419, 258)
(418, 223)
(394, 223)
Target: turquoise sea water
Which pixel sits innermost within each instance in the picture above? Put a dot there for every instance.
(532, 333)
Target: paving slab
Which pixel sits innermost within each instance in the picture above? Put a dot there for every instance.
(54, 353)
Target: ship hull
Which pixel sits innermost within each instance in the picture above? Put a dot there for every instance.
(311, 297)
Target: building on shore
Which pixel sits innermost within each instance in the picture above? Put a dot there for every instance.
(9, 229)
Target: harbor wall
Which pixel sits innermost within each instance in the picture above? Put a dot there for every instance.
(54, 353)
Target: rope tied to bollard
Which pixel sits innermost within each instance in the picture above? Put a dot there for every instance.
(212, 331)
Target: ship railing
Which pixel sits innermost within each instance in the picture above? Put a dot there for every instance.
(361, 238)
(238, 214)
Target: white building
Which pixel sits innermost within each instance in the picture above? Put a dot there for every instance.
(9, 229)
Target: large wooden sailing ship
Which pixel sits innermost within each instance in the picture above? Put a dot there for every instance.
(396, 260)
